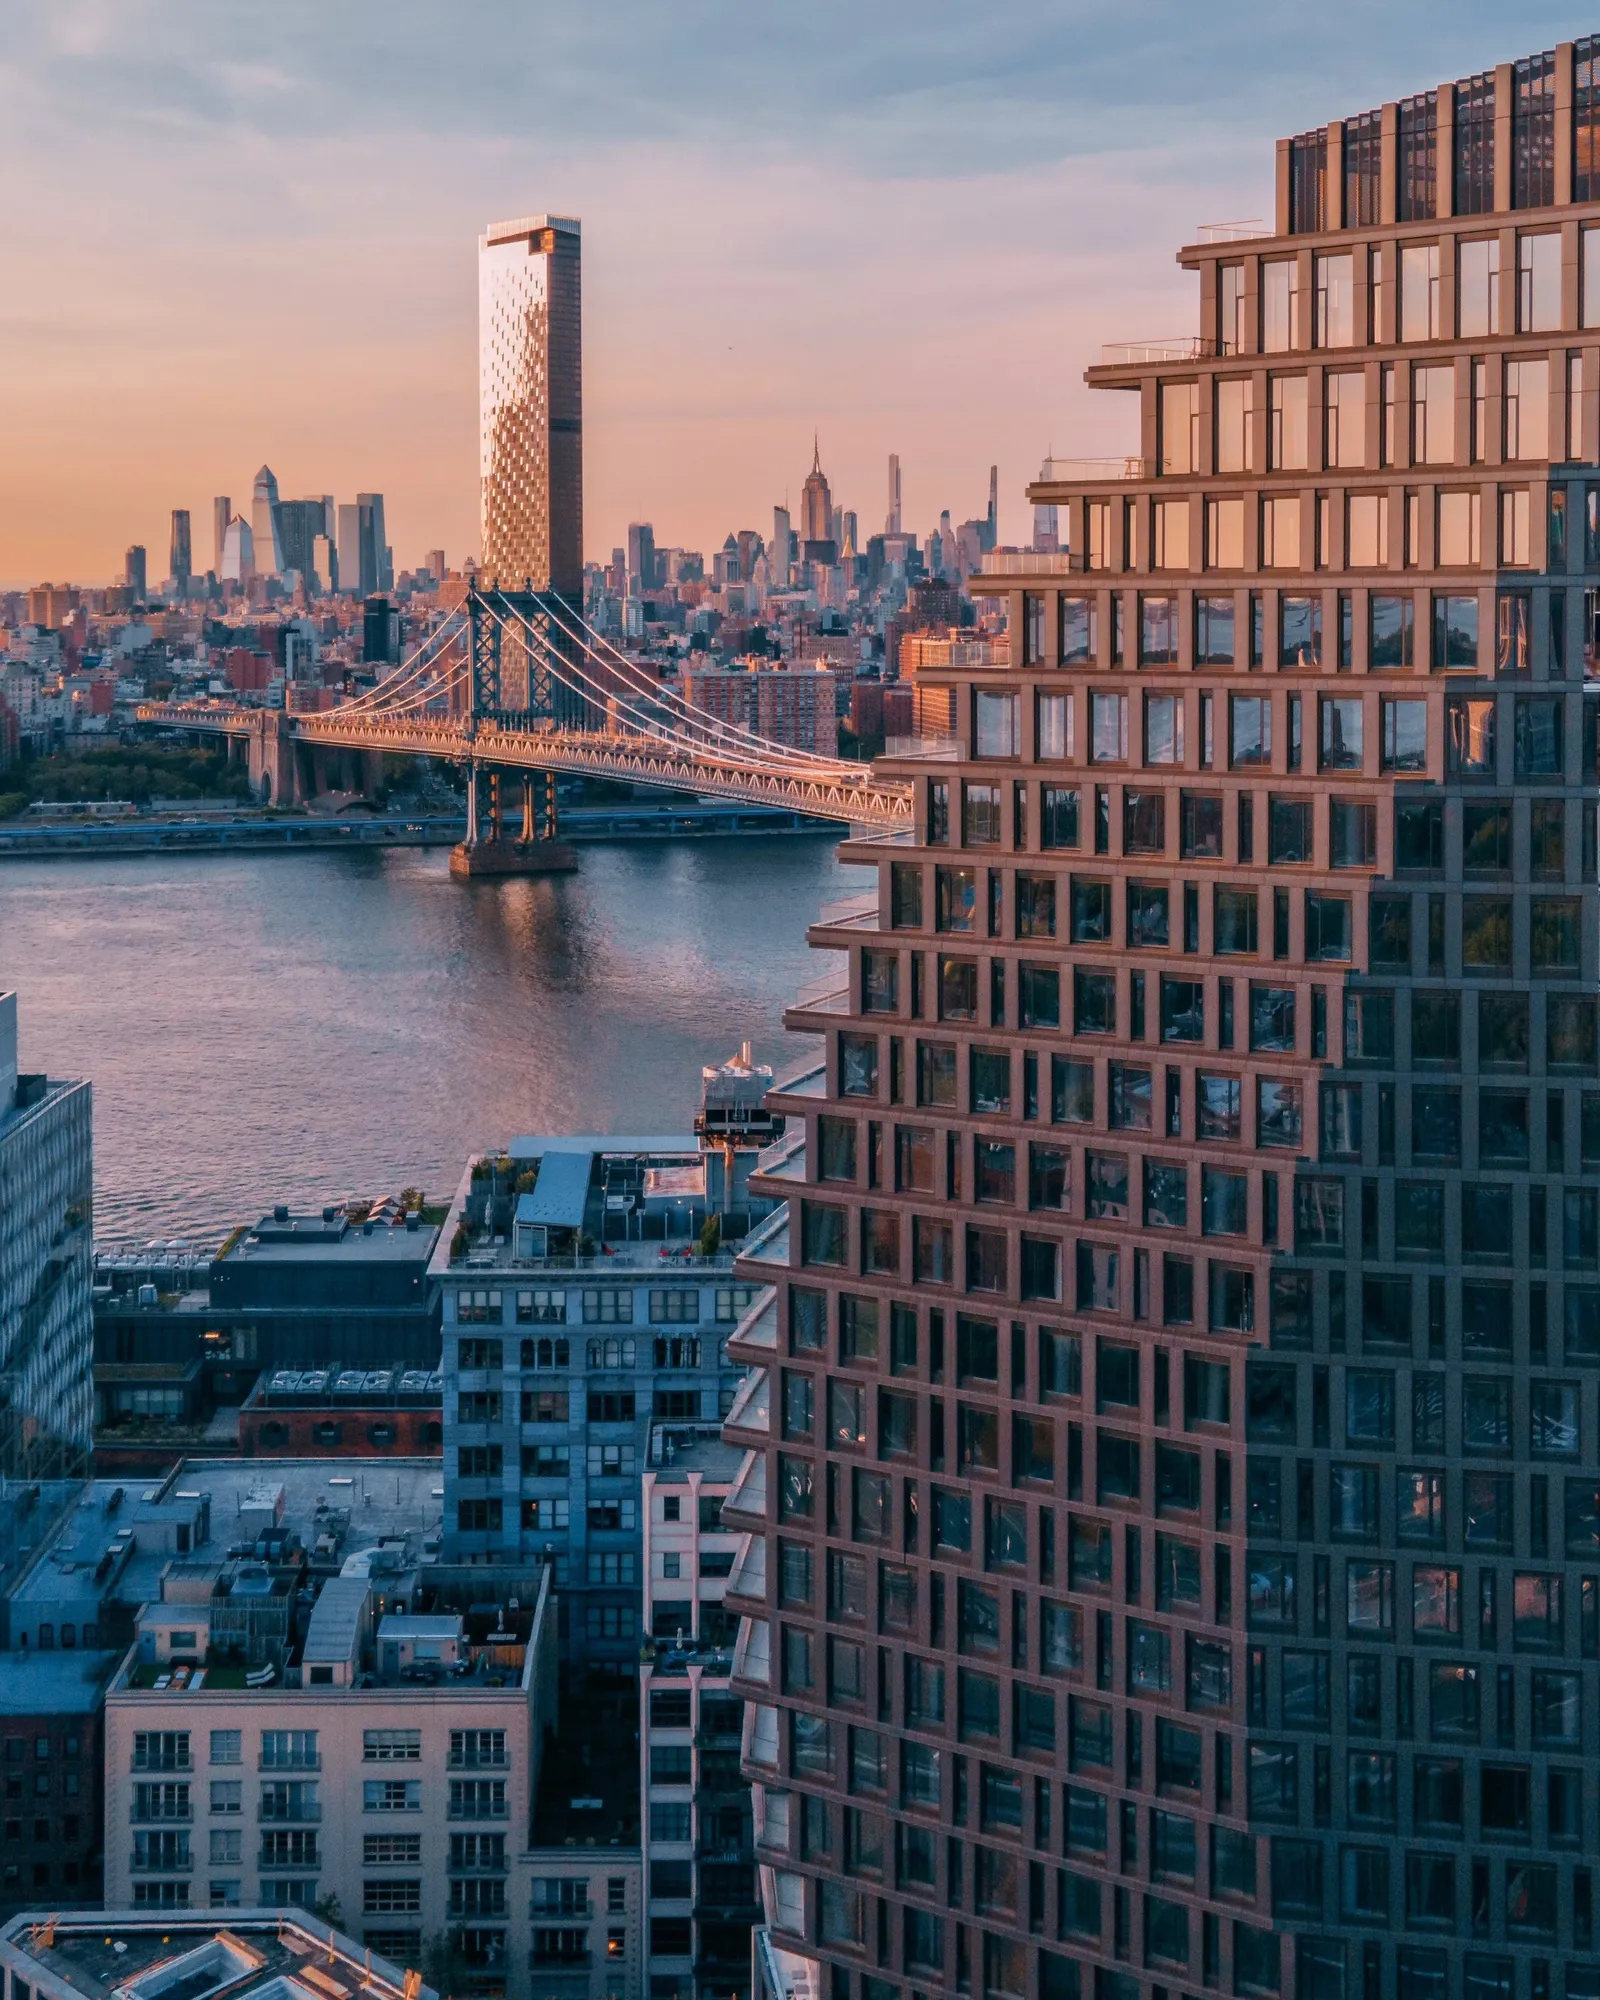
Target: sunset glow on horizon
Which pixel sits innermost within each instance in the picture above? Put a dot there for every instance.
(249, 236)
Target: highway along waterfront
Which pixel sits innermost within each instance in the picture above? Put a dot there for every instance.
(265, 1028)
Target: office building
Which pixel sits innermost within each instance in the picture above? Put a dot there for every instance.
(891, 525)
(698, 1830)
(588, 1294)
(300, 524)
(530, 403)
(435, 565)
(265, 526)
(135, 572)
(238, 552)
(778, 549)
(641, 557)
(181, 559)
(147, 1954)
(1182, 1560)
(817, 543)
(221, 515)
(46, 1227)
(363, 554)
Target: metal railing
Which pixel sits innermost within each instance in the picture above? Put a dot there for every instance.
(922, 746)
(1029, 562)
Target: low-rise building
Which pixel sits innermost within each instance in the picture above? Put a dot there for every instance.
(146, 1955)
(50, 1777)
(376, 1755)
(343, 1412)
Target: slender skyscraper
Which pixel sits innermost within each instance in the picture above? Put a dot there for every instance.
(265, 526)
(221, 515)
(891, 525)
(135, 572)
(778, 552)
(530, 403)
(1174, 1470)
(181, 560)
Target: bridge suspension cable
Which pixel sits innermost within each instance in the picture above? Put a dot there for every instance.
(732, 748)
(696, 728)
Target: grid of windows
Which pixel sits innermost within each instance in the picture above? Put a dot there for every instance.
(1185, 1534)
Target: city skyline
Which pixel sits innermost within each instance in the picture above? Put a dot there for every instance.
(124, 399)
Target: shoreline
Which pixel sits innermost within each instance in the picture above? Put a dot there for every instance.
(580, 825)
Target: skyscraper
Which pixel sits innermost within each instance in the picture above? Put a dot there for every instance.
(991, 522)
(181, 558)
(642, 554)
(221, 515)
(265, 528)
(1173, 1491)
(238, 552)
(778, 551)
(46, 1231)
(135, 572)
(891, 524)
(816, 513)
(530, 403)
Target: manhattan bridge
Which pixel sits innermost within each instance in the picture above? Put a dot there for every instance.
(515, 685)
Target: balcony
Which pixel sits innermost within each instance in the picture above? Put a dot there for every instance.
(860, 912)
(1139, 353)
(749, 1493)
(1041, 562)
(829, 993)
(768, 1243)
(150, 1862)
(290, 1813)
(1231, 232)
(271, 1860)
(752, 1404)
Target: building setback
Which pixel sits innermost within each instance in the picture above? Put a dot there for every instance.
(1180, 1511)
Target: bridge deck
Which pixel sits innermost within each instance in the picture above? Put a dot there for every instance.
(831, 790)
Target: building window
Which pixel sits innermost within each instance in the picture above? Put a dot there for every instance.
(1419, 158)
(1533, 132)
(1473, 165)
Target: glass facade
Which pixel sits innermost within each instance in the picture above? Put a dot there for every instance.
(530, 404)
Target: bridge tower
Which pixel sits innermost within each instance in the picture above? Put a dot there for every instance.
(511, 637)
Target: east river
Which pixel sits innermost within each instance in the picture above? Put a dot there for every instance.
(306, 1028)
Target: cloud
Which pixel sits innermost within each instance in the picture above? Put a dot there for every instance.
(248, 231)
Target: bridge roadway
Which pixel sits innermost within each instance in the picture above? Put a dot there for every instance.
(831, 791)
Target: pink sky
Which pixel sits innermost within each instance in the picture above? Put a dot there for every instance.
(249, 234)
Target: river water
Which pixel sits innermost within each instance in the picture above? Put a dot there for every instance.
(263, 1028)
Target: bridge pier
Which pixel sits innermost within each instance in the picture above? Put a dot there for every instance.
(487, 851)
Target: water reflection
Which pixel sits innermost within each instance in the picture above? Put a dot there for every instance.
(262, 1028)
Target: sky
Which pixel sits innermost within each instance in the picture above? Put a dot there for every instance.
(245, 233)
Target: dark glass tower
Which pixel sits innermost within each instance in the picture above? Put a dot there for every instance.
(1173, 1489)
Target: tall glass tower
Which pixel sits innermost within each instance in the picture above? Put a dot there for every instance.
(1174, 1429)
(530, 403)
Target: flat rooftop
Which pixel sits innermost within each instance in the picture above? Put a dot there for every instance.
(301, 1239)
(178, 1955)
(673, 1457)
(387, 1499)
(61, 1683)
